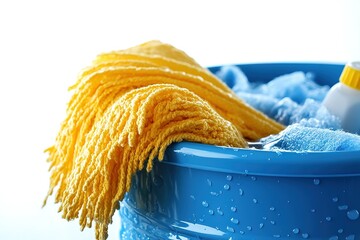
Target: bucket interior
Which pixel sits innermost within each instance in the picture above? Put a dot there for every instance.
(202, 191)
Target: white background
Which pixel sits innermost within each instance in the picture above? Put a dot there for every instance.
(44, 44)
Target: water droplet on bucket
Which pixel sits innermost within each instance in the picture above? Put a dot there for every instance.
(272, 209)
(255, 200)
(219, 211)
(272, 222)
(253, 178)
(343, 207)
(229, 177)
(305, 235)
(158, 181)
(333, 238)
(328, 219)
(205, 203)
(233, 209)
(209, 182)
(296, 230)
(353, 214)
(249, 228)
(192, 197)
(211, 212)
(340, 230)
(230, 229)
(276, 236)
(350, 237)
(125, 211)
(214, 193)
(234, 220)
(335, 199)
(241, 192)
(226, 186)
(313, 210)
(261, 225)
(316, 181)
(241, 232)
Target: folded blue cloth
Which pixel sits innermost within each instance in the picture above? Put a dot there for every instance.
(301, 138)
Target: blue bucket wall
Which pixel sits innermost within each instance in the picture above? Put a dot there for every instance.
(206, 192)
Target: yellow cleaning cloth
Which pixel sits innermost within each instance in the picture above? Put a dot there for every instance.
(125, 110)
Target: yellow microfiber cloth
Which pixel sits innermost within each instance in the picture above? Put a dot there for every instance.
(126, 109)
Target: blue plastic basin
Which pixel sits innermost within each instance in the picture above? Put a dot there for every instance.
(207, 192)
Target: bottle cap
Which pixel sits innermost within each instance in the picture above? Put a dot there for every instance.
(350, 76)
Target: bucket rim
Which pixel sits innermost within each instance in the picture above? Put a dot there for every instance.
(263, 162)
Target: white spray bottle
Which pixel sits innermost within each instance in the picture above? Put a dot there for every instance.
(343, 99)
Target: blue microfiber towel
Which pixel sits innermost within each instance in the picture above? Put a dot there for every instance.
(301, 138)
(298, 86)
(234, 78)
(294, 100)
(289, 98)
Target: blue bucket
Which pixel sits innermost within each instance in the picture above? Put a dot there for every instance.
(202, 191)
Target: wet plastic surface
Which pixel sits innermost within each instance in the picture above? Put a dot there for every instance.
(207, 192)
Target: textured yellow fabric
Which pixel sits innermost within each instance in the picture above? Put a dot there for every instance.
(125, 110)
(251, 123)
